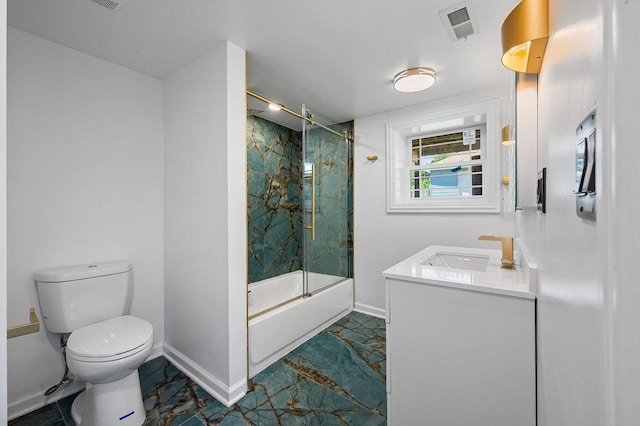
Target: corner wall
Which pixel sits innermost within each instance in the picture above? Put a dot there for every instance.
(85, 162)
(569, 250)
(3, 213)
(205, 221)
(620, 233)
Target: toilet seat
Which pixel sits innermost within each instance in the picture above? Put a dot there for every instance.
(110, 340)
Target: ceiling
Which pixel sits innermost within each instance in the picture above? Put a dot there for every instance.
(337, 56)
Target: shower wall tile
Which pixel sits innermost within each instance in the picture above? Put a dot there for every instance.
(275, 221)
(274, 156)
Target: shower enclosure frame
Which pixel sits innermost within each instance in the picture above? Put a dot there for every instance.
(315, 163)
(298, 311)
(312, 120)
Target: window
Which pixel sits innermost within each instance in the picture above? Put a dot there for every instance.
(445, 162)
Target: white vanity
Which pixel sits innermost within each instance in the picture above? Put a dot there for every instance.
(460, 340)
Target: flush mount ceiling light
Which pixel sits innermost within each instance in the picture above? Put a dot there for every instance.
(524, 36)
(275, 107)
(414, 79)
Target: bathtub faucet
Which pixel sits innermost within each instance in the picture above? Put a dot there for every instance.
(507, 249)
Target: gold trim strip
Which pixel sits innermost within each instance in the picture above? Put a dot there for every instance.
(344, 136)
(313, 202)
(21, 330)
(303, 296)
(329, 286)
(312, 227)
(273, 308)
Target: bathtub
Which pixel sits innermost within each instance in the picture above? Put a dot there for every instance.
(281, 327)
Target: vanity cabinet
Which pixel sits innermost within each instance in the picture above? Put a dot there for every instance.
(458, 355)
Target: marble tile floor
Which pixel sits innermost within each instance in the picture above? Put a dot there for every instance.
(335, 378)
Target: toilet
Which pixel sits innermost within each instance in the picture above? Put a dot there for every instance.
(105, 347)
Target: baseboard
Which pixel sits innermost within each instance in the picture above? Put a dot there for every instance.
(33, 402)
(228, 395)
(156, 351)
(370, 310)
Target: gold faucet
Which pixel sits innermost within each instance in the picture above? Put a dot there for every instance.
(507, 249)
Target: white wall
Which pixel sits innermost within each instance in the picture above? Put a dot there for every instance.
(3, 213)
(205, 221)
(85, 160)
(382, 239)
(570, 325)
(620, 230)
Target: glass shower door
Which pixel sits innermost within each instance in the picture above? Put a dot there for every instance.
(326, 202)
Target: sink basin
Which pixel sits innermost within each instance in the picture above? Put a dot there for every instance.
(469, 268)
(468, 262)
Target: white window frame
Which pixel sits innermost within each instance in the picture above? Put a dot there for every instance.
(399, 136)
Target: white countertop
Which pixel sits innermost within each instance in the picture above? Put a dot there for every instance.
(495, 280)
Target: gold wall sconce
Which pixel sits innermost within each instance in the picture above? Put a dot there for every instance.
(507, 140)
(524, 36)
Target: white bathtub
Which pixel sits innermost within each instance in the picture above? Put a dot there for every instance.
(275, 333)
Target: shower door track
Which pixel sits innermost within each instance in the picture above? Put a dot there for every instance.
(302, 296)
(273, 308)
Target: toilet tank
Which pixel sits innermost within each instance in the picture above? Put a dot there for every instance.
(76, 296)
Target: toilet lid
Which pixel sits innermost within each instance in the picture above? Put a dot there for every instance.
(111, 337)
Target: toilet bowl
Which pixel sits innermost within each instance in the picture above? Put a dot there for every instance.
(106, 346)
(107, 355)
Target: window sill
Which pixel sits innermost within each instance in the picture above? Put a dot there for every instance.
(449, 207)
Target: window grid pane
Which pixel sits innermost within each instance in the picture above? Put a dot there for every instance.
(459, 146)
(459, 181)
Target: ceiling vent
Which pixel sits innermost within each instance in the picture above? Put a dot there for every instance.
(111, 4)
(460, 21)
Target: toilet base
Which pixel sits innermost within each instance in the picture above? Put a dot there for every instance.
(108, 404)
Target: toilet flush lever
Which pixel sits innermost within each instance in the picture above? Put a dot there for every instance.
(507, 249)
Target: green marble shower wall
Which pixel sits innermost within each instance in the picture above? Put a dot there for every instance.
(274, 158)
(274, 205)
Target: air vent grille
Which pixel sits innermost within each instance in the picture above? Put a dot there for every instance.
(459, 21)
(110, 4)
(463, 30)
(459, 16)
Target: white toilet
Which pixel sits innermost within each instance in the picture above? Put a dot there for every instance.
(105, 347)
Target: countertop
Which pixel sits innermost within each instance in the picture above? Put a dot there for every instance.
(495, 280)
